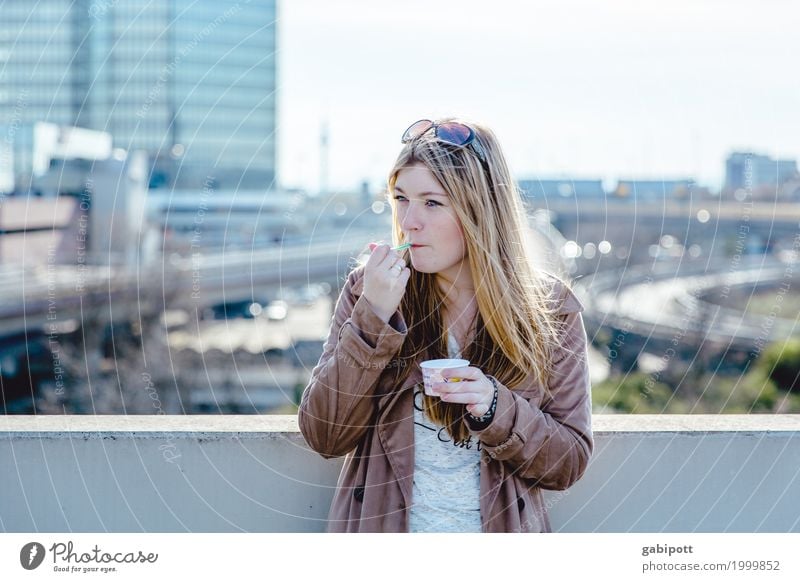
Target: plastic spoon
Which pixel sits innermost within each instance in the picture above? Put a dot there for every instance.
(401, 247)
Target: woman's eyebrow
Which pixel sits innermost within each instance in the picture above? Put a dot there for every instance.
(422, 193)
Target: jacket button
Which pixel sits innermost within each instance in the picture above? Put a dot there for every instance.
(520, 503)
(358, 493)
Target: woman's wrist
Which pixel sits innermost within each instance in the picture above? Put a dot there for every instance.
(379, 313)
(486, 418)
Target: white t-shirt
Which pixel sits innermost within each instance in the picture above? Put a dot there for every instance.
(446, 489)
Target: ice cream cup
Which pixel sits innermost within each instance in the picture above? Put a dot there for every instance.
(432, 372)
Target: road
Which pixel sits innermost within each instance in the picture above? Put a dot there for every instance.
(256, 335)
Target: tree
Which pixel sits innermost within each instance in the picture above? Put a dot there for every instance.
(780, 362)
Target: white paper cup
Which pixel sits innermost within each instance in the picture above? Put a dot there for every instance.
(432, 372)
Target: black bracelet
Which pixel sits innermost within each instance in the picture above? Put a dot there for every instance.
(489, 414)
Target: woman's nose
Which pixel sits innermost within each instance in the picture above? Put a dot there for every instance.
(412, 219)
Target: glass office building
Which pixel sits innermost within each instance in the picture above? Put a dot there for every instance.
(190, 81)
(44, 62)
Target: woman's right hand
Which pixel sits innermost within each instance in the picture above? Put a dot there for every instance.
(385, 279)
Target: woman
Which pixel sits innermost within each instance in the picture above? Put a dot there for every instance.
(519, 420)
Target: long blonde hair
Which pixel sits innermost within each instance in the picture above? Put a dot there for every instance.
(516, 326)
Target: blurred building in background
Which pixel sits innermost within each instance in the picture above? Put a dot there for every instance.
(654, 190)
(190, 82)
(759, 175)
(45, 62)
(97, 219)
(45, 159)
(564, 188)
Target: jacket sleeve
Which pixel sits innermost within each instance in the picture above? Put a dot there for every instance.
(337, 405)
(550, 445)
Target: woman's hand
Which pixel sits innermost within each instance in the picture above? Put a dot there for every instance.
(385, 278)
(467, 386)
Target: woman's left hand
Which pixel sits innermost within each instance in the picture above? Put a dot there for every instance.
(468, 386)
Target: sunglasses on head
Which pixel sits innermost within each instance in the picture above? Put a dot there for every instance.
(451, 132)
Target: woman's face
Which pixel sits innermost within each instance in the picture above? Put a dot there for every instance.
(428, 220)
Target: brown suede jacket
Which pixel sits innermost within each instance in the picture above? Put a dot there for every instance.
(531, 444)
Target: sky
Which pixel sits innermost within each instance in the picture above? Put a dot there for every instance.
(611, 89)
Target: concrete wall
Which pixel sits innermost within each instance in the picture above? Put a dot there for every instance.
(254, 473)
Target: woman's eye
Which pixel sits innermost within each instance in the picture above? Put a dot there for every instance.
(428, 203)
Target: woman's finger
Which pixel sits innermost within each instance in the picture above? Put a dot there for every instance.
(465, 373)
(477, 410)
(384, 257)
(377, 255)
(459, 387)
(463, 397)
(452, 386)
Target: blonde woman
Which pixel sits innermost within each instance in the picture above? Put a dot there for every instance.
(476, 458)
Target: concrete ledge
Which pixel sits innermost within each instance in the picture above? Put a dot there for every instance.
(649, 473)
(243, 425)
(250, 425)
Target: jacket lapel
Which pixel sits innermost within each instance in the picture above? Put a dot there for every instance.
(396, 432)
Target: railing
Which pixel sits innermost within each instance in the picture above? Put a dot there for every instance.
(661, 473)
